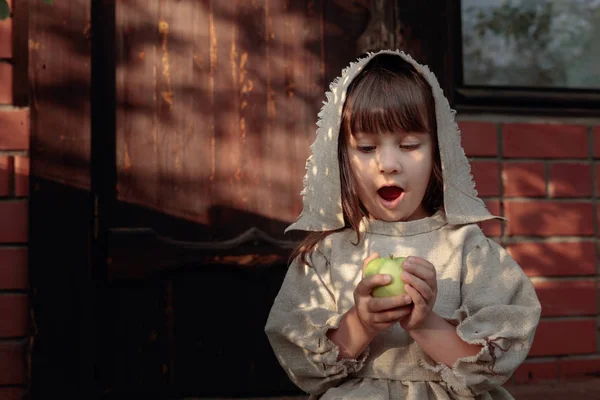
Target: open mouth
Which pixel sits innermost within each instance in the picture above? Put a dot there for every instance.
(390, 195)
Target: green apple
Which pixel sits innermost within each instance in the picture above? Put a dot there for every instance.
(387, 265)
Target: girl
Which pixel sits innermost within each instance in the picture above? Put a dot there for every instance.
(388, 176)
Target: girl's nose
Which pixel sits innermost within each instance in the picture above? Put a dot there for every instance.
(389, 162)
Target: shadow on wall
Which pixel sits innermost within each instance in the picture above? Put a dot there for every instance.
(216, 101)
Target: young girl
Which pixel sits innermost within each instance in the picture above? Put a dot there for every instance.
(388, 176)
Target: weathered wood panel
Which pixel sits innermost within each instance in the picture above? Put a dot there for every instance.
(59, 54)
(217, 108)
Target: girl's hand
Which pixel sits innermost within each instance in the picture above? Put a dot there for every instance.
(421, 285)
(377, 314)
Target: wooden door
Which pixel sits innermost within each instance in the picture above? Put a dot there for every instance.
(216, 108)
(169, 139)
(62, 317)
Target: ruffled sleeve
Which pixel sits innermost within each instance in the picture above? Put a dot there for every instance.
(500, 311)
(302, 313)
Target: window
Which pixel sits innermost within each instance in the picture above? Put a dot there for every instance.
(525, 56)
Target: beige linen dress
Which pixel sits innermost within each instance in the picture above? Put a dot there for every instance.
(481, 289)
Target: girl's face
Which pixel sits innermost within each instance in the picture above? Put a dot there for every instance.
(391, 172)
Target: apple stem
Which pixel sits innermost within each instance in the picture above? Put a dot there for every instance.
(391, 256)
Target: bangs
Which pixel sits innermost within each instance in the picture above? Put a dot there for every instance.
(389, 98)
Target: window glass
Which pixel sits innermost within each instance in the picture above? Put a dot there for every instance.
(531, 43)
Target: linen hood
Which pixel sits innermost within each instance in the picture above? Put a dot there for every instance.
(322, 201)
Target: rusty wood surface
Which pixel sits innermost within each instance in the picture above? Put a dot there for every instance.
(59, 76)
(217, 108)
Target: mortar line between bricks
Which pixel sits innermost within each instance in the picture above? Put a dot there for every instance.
(538, 359)
(13, 199)
(14, 153)
(11, 107)
(581, 160)
(12, 190)
(566, 318)
(13, 339)
(506, 117)
(12, 292)
(577, 357)
(8, 198)
(19, 340)
(8, 246)
(565, 200)
(551, 239)
(499, 157)
(596, 228)
(547, 179)
(20, 386)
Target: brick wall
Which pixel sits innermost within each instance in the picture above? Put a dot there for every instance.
(544, 177)
(14, 191)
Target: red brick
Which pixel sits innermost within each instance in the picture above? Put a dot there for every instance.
(567, 298)
(13, 268)
(597, 141)
(555, 259)
(12, 393)
(570, 180)
(485, 175)
(522, 179)
(6, 83)
(549, 218)
(14, 129)
(492, 227)
(13, 314)
(12, 363)
(6, 167)
(6, 31)
(536, 371)
(564, 337)
(578, 368)
(14, 217)
(479, 138)
(545, 141)
(21, 167)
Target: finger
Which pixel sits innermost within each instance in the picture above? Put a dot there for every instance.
(420, 285)
(387, 303)
(392, 315)
(366, 286)
(421, 268)
(368, 260)
(416, 297)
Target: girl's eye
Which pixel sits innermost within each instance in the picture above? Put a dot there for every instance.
(410, 147)
(366, 149)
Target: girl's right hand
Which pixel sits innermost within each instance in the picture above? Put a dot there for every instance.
(378, 314)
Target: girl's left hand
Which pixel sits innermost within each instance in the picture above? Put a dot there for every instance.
(421, 285)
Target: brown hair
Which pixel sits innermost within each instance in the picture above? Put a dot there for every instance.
(389, 95)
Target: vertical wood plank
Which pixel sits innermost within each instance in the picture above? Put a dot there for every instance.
(253, 105)
(279, 145)
(199, 160)
(60, 88)
(137, 44)
(227, 149)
